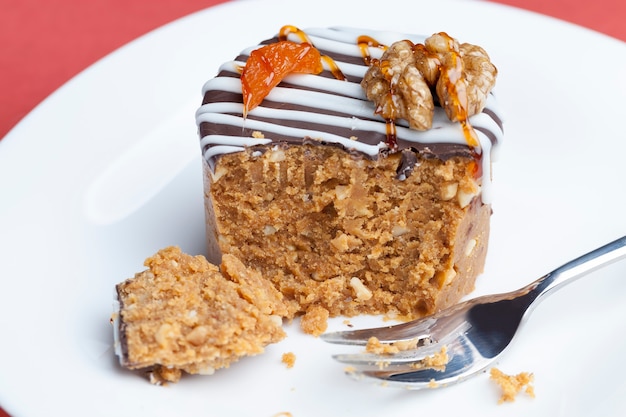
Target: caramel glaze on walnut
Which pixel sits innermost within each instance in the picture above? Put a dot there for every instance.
(401, 83)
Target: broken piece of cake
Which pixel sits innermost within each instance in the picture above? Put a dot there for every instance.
(186, 314)
(352, 168)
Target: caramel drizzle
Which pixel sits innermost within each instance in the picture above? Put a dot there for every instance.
(304, 38)
(454, 80)
(392, 137)
(289, 29)
(333, 67)
(365, 42)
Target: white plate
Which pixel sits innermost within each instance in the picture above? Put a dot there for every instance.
(107, 170)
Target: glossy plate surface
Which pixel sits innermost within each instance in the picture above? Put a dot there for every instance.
(107, 170)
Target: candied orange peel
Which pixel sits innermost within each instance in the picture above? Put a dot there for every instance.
(267, 67)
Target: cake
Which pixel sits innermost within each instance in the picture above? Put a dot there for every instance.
(186, 314)
(356, 176)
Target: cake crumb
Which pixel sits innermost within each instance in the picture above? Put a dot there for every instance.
(511, 385)
(315, 321)
(436, 361)
(289, 359)
(349, 369)
(374, 345)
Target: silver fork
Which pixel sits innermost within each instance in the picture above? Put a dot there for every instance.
(472, 334)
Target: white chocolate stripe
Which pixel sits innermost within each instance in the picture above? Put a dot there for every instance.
(359, 108)
(357, 71)
(330, 86)
(315, 100)
(349, 35)
(239, 141)
(213, 112)
(268, 128)
(329, 44)
(220, 150)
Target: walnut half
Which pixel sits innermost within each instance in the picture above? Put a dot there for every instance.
(397, 87)
(402, 82)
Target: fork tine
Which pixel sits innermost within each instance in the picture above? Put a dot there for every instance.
(419, 329)
(427, 357)
(415, 378)
(428, 379)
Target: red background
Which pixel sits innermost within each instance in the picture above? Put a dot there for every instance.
(44, 43)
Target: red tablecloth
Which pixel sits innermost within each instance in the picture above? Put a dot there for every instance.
(44, 43)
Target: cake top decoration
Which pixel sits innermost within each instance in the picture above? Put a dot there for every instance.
(402, 83)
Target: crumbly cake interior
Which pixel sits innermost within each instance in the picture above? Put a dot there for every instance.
(185, 314)
(340, 231)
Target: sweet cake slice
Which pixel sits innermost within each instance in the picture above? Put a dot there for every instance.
(185, 314)
(352, 168)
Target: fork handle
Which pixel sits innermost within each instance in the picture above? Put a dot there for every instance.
(579, 267)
